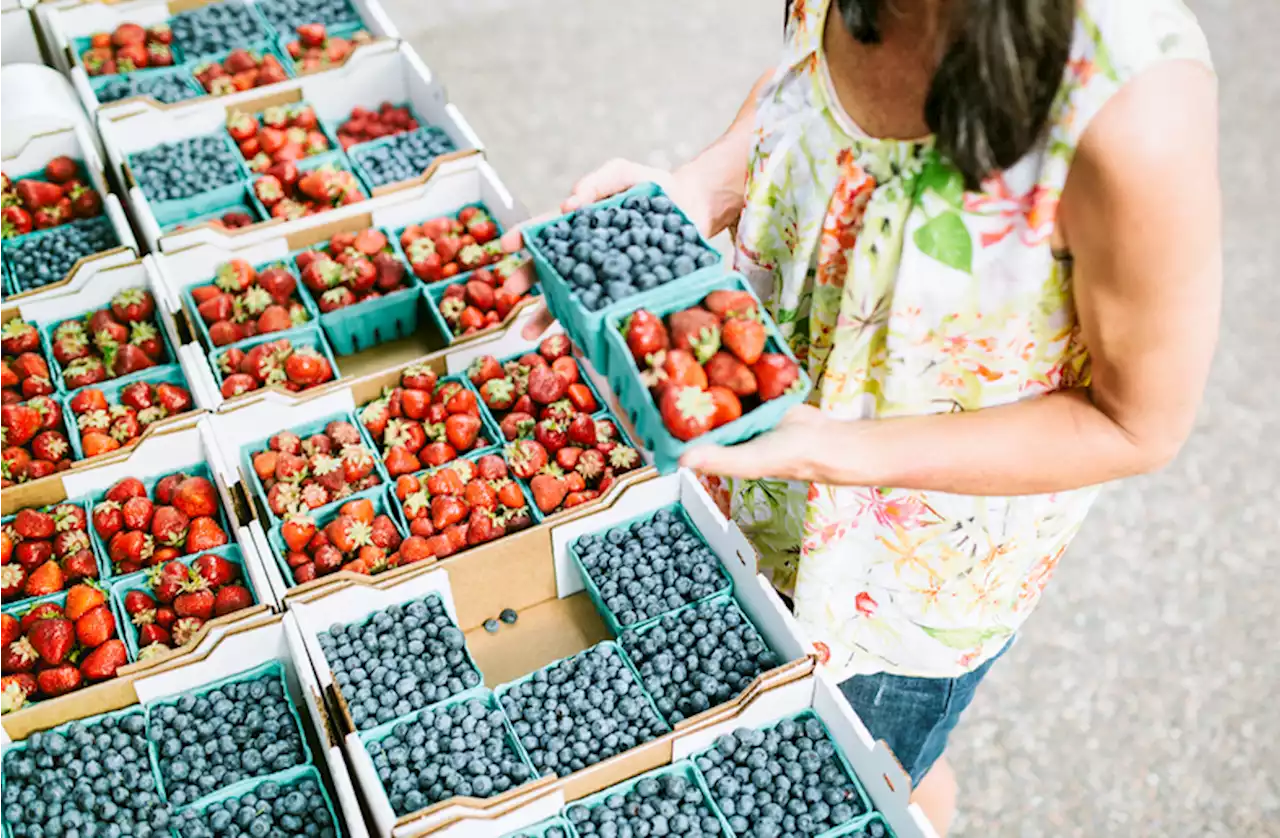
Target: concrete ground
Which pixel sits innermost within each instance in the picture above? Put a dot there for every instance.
(1138, 701)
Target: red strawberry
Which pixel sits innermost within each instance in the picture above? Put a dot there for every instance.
(58, 680)
(215, 570)
(133, 305)
(80, 565)
(687, 412)
(491, 467)
(731, 304)
(462, 430)
(230, 599)
(744, 338)
(555, 346)
(582, 430)
(173, 398)
(695, 330)
(125, 488)
(546, 385)
(517, 425)
(194, 603)
(107, 519)
(15, 689)
(96, 626)
(582, 398)
(196, 497)
(53, 638)
(776, 375)
(526, 458)
(151, 633)
(102, 662)
(137, 514)
(548, 491)
(550, 435)
(33, 523)
(646, 336)
(204, 534)
(725, 370)
(728, 406)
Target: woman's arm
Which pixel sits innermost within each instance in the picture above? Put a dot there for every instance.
(1142, 215)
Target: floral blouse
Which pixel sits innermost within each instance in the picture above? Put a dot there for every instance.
(905, 295)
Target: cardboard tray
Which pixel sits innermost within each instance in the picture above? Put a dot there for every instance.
(75, 142)
(286, 778)
(380, 71)
(66, 22)
(532, 573)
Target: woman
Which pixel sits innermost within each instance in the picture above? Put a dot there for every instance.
(1011, 306)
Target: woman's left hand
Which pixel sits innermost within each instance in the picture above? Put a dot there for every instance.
(794, 450)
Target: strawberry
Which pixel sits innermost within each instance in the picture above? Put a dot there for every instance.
(725, 370)
(13, 579)
(194, 603)
(46, 579)
(137, 513)
(728, 305)
(129, 550)
(383, 533)
(485, 368)
(646, 335)
(695, 330)
(80, 565)
(551, 435)
(58, 680)
(230, 599)
(150, 633)
(81, 599)
(555, 346)
(108, 519)
(129, 358)
(687, 412)
(438, 453)
(462, 430)
(776, 375)
(510, 496)
(591, 464)
(447, 510)
(173, 398)
(20, 422)
(548, 491)
(166, 582)
(133, 305)
(125, 488)
(15, 689)
(88, 400)
(582, 399)
(18, 336)
(215, 570)
(195, 497)
(96, 626)
(546, 386)
(102, 662)
(33, 523)
(204, 534)
(582, 430)
(526, 458)
(53, 638)
(567, 368)
(745, 338)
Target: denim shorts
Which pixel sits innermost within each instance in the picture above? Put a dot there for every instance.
(914, 716)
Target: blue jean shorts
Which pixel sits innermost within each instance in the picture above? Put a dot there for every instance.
(914, 716)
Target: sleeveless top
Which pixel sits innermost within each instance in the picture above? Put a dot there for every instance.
(905, 294)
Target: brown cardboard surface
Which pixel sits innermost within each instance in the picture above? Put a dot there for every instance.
(115, 694)
(545, 633)
(322, 232)
(30, 495)
(248, 615)
(516, 571)
(66, 280)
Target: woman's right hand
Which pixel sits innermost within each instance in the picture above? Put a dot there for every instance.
(613, 177)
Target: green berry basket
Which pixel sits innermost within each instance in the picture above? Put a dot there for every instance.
(166, 374)
(24, 603)
(624, 379)
(609, 646)
(320, 126)
(397, 507)
(683, 768)
(202, 328)
(271, 670)
(346, 29)
(249, 449)
(82, 45)
(191, 87)
(379, 731)
(723, 601)
(169, 356)
(308, 335)
(399, 231)
(489, 429)
(378, 495)
(862, 803)
(139, 581)
(262, 47)
(434, 295)
(332, 126)
(336, 157)
(861, 828)
(543, 829)
(615, 626)
(243, 203)
(100, 547)
(481, 694)
(21, 745)
(289, 777)
(585, 327)
(359, 152)
(179, 210)
(388, 317)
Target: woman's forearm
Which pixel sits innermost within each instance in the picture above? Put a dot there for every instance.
(720, 171)
(1056, 442)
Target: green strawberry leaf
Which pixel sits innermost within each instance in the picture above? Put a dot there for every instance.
(946, 239)
(963, 638)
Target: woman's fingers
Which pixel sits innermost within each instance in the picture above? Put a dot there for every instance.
(613, 177)
(540, 322)
(513, 239)
(522, 279)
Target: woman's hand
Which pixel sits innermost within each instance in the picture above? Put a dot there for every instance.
(613, 177)
(794, 450)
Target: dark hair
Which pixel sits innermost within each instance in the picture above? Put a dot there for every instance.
(991, 94)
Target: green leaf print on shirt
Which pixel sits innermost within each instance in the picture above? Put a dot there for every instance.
(964, 638)
(944, 181)
(946, 239)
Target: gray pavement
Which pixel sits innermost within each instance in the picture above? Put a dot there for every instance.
(1138, 701)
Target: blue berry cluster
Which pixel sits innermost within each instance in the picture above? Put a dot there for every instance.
(666, 805)
(272, 809)
(87, 779)
(650, 567)
(403, 156)
(783, 781)
(580, 711)
(240, 730)
(401, 659)
(698, 659)
(216, 28)
(463, 750)
(553, 831)
(874, 828)
(36, 260)
(171, 171)
(609, 254)
(287, 15)
(163, 87)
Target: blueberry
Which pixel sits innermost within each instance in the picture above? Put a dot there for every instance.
(580, 711)
(183, 169)
(491, 625)
(216, 28)
(781, 781)
(243, 729)
(166, 87)
(300, 808)
(37, 259)
(384, 662)
(460, 750)
(653, 806)
(509, 616)
(286, 15)
(639, 582)
(403, 156)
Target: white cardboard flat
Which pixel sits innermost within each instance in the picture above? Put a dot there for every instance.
(28, 152)
(243, 650)
(19, 42)
(386, 71)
